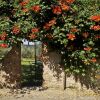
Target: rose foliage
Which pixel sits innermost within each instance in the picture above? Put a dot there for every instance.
(70, 26)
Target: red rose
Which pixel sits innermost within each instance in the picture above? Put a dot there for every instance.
(95, 27)
(32, 36)
(3, 45)
(87, 48)
(57, 10)
(85, 34)
(16, 30)
(65, 7)
(52, 22)
(36, 8)
(69, 1)
(34, 30)
(93, 60)
(95, 18)
(3, 36)
(25, 10)
(24, 3)
(71, 36)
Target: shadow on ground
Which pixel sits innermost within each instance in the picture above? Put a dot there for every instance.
(32, 75)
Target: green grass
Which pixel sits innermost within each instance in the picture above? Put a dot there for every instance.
(27, 61)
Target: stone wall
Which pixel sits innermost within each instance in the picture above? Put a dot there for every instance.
(52, 71)
(10, 69)
(54, 74)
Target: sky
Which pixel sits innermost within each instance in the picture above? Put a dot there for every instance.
(25, 42)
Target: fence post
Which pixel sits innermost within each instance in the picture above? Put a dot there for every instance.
(64, 81)
(35, 56)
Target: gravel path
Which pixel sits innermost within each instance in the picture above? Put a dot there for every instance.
(48, 94)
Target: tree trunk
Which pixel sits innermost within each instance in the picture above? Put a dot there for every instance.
(10, 74)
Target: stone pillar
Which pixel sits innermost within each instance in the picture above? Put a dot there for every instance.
(52, 71)
(10, 70)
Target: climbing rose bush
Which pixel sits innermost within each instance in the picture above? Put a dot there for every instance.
(71, 26)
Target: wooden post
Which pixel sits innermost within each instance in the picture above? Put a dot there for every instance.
(64, 81)
(35, 55)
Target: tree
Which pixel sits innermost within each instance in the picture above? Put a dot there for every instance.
(72, 26)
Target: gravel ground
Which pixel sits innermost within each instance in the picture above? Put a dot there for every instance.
(48, 94)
